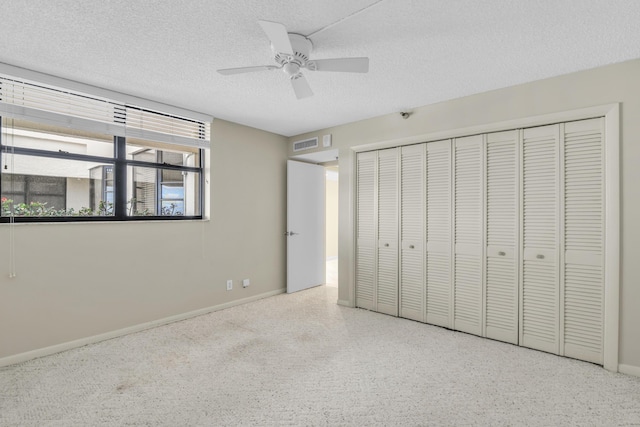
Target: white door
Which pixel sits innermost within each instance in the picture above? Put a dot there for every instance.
(502, 230)
(366, 229)
(583, 243)
(540, 296)
(468, 233)
(388, 186)
(412, 225)
(305, 226)
(438, 263)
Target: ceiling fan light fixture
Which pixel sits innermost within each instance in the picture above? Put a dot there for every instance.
(291, 69)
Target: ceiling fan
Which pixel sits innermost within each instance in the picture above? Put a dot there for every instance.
(292, 55)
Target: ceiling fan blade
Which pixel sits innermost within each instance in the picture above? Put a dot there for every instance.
(301, 86)
(347, 65)
(278, 35)
(229, 71)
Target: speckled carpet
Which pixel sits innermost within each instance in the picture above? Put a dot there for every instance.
(303, 360)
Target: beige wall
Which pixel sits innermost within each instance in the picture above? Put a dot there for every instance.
(605, 85)
(78, 191)
(84, 279)
(331, 207)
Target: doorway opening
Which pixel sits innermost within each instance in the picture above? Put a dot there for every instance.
(327, 255)
(331, 225)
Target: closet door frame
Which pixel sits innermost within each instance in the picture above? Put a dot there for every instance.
(611, 114)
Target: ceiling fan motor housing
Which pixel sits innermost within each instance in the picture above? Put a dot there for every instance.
(302, 48)
(292, 54)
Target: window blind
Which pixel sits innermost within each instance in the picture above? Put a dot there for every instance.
(24, 99)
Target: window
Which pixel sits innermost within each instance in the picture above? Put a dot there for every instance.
(76, 156)
(36, 190)
(167, 188)
(101, 186)
(49, 173)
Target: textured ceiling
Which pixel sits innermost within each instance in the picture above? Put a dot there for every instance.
(421, 51)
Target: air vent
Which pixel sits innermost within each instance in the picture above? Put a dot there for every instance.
(305, 144)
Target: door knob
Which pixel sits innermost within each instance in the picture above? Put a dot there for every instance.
(501, 253)
(540, 256)
(386, 245)
(411, 246)
(290, 233)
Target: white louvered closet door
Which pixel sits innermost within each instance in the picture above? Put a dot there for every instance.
(502, 229)
(412, 227)
(438, 262)
(583, 290)
(468, 234)
(388, 206)
(366, 229)
(539, 321)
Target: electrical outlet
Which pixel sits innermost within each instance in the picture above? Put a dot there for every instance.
(229, 285)
(245, 283)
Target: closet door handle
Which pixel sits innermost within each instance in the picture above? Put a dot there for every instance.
(502, 253)
(540, 256)
(386, 245)
(411, 246)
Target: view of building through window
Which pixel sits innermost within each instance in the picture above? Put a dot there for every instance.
(51, 171)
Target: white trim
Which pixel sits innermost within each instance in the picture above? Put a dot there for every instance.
(629, 370)
(611, 113)
(612, 238)
(376, 230)
(345, 303)
(350, 161)
(483, 232)
(560, 237)
(46, 351)
(525, 122)
(520, 240)
(452, 233)
(105, 93)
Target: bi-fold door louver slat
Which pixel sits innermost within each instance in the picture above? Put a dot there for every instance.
(366, 241)
(501, 268)
(412, 224)
(468, 234)
(388, 197)
(539, 317)
(438, 265)
(583, 240)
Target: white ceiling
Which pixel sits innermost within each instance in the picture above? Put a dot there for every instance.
(421, 51)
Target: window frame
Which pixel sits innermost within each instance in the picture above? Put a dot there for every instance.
(120, 164)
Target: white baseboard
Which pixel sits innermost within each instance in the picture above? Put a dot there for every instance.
(345, 303)
(629, 370)
(46, 351)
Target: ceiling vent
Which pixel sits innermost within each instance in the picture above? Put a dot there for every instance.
(305, 144)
